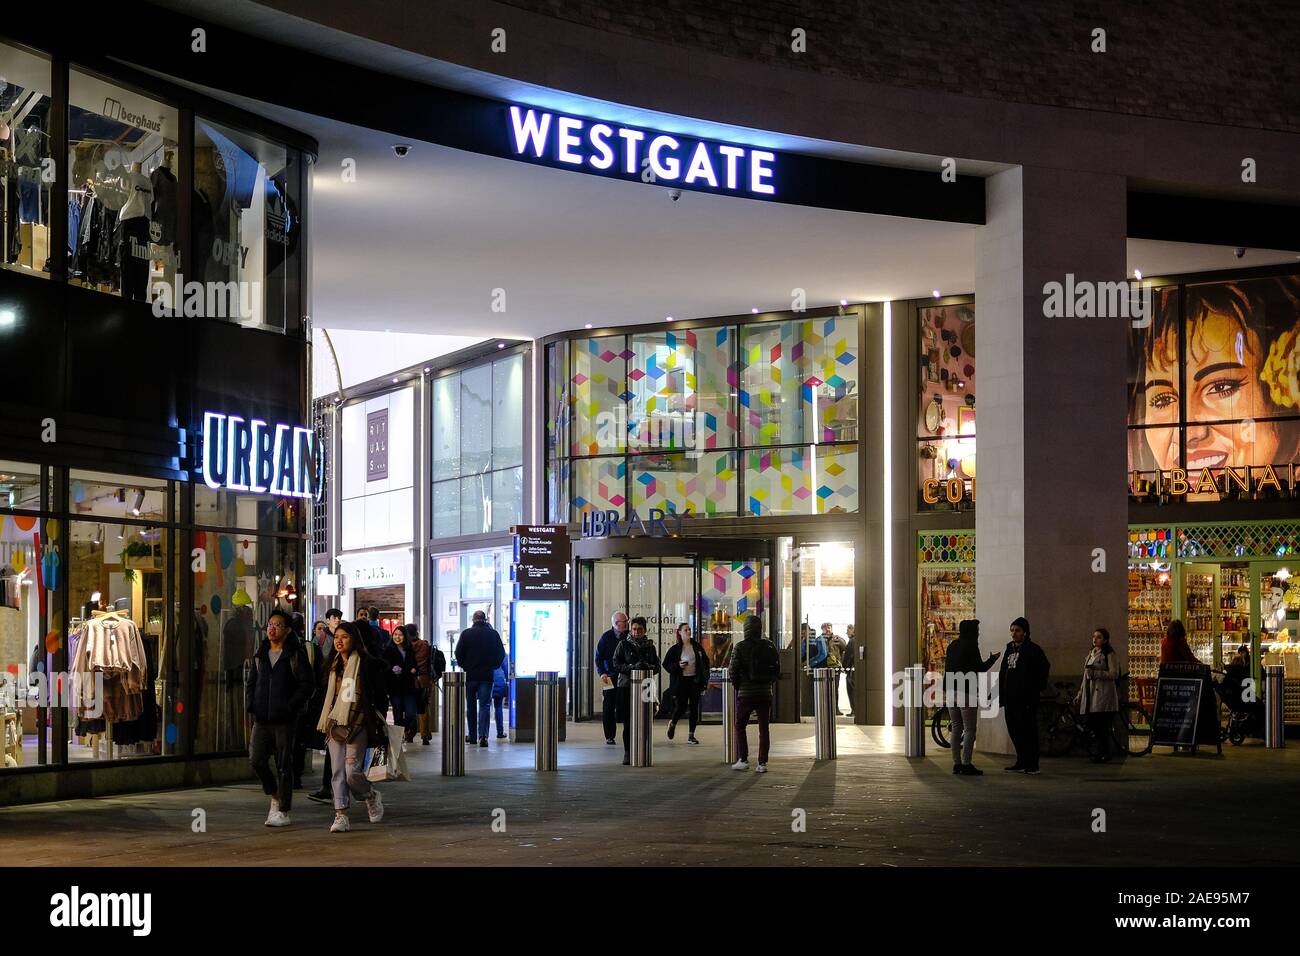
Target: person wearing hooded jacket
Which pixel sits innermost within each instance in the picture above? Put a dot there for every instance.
(276, 692)
(1024, 673)
(962, 667)
(753, 690)
(636, 652)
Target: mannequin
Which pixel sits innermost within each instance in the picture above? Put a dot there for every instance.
(133, 221)
(162, 226)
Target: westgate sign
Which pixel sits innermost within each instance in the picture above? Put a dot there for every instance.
(644, 155)
(252, 455)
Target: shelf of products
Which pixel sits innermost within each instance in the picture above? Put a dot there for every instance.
(1201, 618)
(1150, 609)
(947, 598)
(1234, 611)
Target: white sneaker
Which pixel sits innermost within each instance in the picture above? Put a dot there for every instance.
(761, 768)
(740, 765)
(277, 818)
(375, 806)
(340, 824)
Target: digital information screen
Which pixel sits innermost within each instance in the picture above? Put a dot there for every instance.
(539, 637)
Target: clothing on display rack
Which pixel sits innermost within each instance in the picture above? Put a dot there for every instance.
(110, 644)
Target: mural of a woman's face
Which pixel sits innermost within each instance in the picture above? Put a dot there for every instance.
(1224, 362)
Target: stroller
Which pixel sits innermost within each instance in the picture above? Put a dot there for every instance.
(1245, 718)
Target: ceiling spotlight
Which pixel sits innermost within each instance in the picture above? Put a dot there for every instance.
(587, 326)
(754, 310)
(427, 370)
(668, 318)
(98, 537)
(844, 301)
(139, 503)
(395, 380)
(1138, 274)
(7, 317)
(935, 293)
(501, 345)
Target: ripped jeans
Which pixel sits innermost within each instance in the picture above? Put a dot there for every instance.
(348, 762)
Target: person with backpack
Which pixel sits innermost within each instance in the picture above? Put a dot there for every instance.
(687, 663)
(276, 692)
(500, 687)
(961, 669)
(635, 653)
(835, 646)
(428, 671)
(1021, 680)
(755, 667)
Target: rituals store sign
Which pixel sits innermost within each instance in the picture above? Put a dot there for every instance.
(377, 445)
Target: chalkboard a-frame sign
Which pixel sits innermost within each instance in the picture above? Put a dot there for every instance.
(1184, 717)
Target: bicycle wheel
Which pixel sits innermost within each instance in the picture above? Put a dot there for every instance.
(1135, 731)
(941, 727)
(1056, 730)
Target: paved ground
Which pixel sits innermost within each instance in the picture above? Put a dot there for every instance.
(872, 807)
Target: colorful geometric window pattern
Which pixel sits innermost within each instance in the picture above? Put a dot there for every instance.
(821, 479)
(600, 483)
(946, 547)
(597, 375)
(799, 382)
(681, 384)
(558, 407)
(705, 485)
(733, 589)
(1278, 539)
(1150, 543)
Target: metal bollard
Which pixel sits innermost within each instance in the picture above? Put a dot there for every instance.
(546, 725)
(1274, 720)
(641, 716)
(824, 711)
(453, 724)
(723, 677)
(913, 711)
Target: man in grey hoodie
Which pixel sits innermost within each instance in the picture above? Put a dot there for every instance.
(962, 667)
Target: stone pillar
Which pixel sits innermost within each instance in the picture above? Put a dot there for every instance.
(1051, 420)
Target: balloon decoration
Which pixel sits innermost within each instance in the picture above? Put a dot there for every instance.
(53, 642)
(24, 522)
(240, 598)
(216, 604)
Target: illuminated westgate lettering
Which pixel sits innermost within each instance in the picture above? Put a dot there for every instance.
(539, 134)
(252, 455)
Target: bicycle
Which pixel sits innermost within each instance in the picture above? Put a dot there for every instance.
(1061, 728)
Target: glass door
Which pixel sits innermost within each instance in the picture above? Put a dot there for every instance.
(602, 590)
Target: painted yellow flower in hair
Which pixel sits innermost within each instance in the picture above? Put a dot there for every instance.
(1282, 370)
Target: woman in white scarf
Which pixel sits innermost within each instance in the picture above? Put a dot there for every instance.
(349, 708)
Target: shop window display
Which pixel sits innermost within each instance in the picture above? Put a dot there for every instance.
(946, 408)
(946, 582)
(1214, 383)
(26, 167)
(122, 189)
(246, 223)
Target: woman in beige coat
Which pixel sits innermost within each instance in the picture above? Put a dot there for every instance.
(1098, 698)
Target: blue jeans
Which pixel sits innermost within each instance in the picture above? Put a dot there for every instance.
(497, 702)
(478, 706)
(405, 710)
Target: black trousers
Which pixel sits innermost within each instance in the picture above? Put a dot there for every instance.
(609, 712)
(624, 711)
(1101, 726)
(1022, 725)
(686, 696)
(274, 740)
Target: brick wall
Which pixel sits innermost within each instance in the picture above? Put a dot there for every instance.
(1225, 63)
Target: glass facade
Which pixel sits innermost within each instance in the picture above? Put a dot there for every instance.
(945, 420)
(26, 166)
(758, 419)
(478, 448)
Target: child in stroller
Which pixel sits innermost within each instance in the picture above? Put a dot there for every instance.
(1245, 717)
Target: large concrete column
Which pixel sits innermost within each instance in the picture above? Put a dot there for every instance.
(1051, 420)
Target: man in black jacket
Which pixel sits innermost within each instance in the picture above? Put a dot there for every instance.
(479, 652)
(1021, 680)
(605, 649)
(961, 669)
(635, 653)
(277, 691)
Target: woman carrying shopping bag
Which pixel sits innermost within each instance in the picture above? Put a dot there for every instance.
(353, 718)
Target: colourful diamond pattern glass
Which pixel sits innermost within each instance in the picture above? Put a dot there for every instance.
(946, 547)
(704, 485)
(735, 587)
(597, 377)
(821, 479)
(599, 483)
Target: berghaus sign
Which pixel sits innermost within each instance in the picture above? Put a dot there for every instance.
(240, 454)
(644, 155)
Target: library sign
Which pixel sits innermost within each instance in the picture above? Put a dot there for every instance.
(1231, 481)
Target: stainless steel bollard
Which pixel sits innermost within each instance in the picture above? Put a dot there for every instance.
(914, 711)
(641, 697)
(546, 725)
(1274, 719)
(723, 677)
(453, 724)
(824, 711)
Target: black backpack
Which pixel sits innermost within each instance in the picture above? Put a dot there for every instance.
(764, 663)
(439, 664)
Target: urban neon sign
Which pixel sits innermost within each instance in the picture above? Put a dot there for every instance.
(255, 456)
(640, 154)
